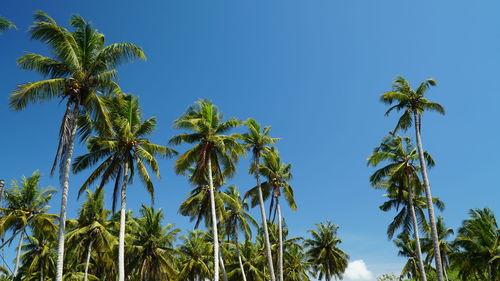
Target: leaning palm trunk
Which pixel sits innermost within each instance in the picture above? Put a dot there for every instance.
(264, 225)
(417, 238)
(121, 239)
(222, 265)
(239, 257)
(87, 262)
(18, 256)
(430, 207)
(280, 235)
(64, 197)
(214, 221)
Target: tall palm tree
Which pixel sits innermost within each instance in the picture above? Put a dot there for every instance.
(214, 153)
(277, 174)
(123, 151)
(326, 258)
(413, 103)
(83, 67)
(258, 141)
(238, 220)
(26, 204)
(445, 246)
(478, 243)
(151, 249)
(195, 255)
(91, 230)
(401, 176)
(5, 24)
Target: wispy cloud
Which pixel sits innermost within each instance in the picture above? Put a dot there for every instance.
(357, 270)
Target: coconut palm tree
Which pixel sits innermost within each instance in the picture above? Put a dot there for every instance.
(254, 262)
(91, 230)
(83, 67)
(445, 246)
(151, 249)
(258, 141)
(401, 176)
(277, 174)
(478, 243)
(238, 220)
(5, 24)
(407, 250)
(214, 153)
(297, 266)
(26, 204)
(413, 103)
(195, 255)
(326, 258)
(122, 152)
(39, 257)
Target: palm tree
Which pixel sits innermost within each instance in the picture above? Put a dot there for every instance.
(195, 255)
(478, 243)
(413, 103)
(446, 247)
(26, 204)
(253, 263)
(39, 257)
(296, 264)
(407, 250)
(214, 153)
(82, 69)
(91, 231)
(5, 24)
(257, 140)
(151, 249)
(278, 174)
(238, 220)
(122, 152)
(400, 176)
(326, 258)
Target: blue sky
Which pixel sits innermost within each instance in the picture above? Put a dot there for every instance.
(313, 70)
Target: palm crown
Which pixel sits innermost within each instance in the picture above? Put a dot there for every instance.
(413, 102)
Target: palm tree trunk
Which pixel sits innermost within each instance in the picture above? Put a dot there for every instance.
(121, 239)
(18, 256)
(64, 195)
(239, 257)
(264, 225)
(222, 266)
(214, 221)
(280, 235)
(417, 238)
(430, 207)
(85, 276)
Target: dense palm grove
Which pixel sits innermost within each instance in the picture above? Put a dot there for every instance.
(226, 242)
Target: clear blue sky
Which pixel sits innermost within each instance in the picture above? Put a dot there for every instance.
(313, 70)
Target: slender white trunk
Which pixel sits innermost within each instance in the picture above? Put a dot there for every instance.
(214, 221)
(18, 256)
(239, 257)
(41, 272)
(222, 266)
(280, 234)
(121, 239)
(87, 262)
(417, 238)
(430, 207)
(64, 196)
(264, 225)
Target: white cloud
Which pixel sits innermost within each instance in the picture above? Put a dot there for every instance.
(357, 270)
